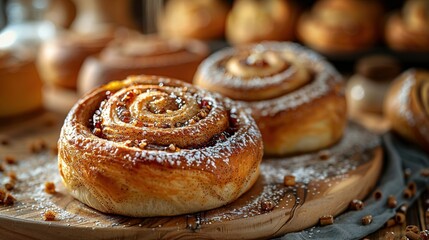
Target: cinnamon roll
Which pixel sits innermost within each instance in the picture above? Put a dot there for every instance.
(197, 19)
(296, 97)
(138, 54)
(255, 20)
(151, 146)
(20, 85)
(408, 30)
(337, 26)
(407, 106)
(60, 59)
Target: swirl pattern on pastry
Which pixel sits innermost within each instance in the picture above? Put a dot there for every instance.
(151, 146)
(408, 31)
(337, 26)
(407, 106)
(60, 59)
(253, 21)
(193, 19)
(296, 96)
(137, 54)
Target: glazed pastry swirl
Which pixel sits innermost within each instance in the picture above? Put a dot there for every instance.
(408, 31)
(255, 72)
(336, 26)
(168, 111)
(407, 106)
(176, 148)
(286, 86)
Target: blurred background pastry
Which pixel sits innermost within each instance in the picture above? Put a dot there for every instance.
(257, 20)
(199, 19)
(20, 85)
(60, 59)
(338, 26)
(94, 15)
(140, 54)
(407, 106)
(408, 30)
(295, 96)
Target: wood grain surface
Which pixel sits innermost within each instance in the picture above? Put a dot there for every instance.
(326, 183)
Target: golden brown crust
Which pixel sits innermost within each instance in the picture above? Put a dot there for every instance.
(197, 19)
(407, 106)
(137, 54)
(20, 85)
(255, 21)
(408, 31)
(337, 26)
(60, 59)
(297, 100)
(157, 147)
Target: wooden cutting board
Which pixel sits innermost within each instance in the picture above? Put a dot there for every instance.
(326, 183)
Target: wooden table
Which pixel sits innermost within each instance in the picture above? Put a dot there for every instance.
(415, 214)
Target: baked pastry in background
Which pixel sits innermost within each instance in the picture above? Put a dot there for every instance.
(408, 30)
(138, 54)
(199, 19)
(338, 26)
(151, 146)
(20, 85)
(407, 106)
(60, 59)
(296, 97)
(255, 20)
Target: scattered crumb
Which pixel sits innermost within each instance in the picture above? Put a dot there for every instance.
(267, 205)
(366, 220)
(50, 187)
(9, 200)
(356, 204)
(378, 194)
(289, 180)
(9, 159)
(49, 215)
(326, 220)
(324, 154)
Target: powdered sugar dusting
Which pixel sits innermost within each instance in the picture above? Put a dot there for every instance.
(354, 149)
(325, 76)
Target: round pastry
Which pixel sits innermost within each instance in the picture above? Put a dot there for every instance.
(338, 26)
(60, 59)
(256, 20)
(199, 19)
(151, 146)
(138, 54)
(408, 31)
(20, 85)
(407, 106)
(296, 97)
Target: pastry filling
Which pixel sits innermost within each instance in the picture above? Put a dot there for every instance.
(147, 117)
(256, 64)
